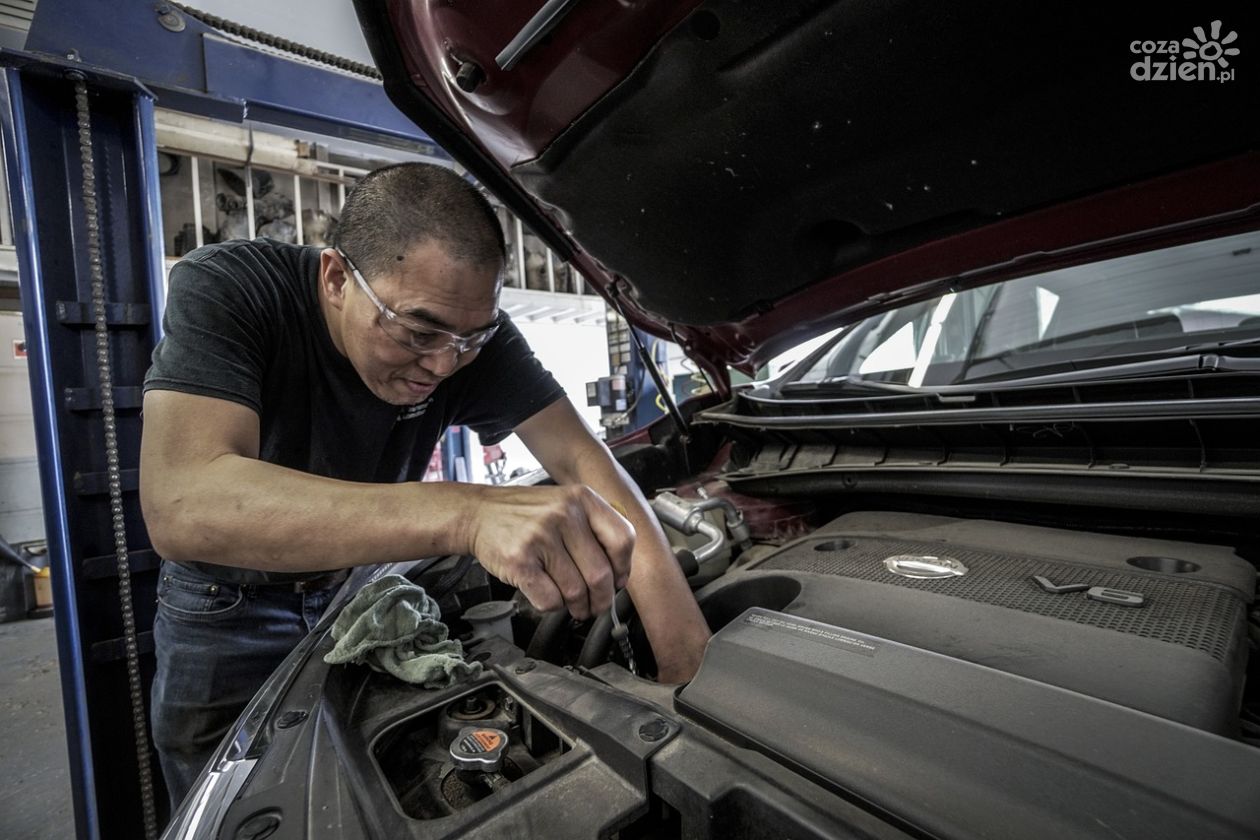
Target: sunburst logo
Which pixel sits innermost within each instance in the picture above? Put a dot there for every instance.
(1203, 58)
(1210, 49)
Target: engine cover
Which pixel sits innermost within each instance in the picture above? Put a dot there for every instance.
(956, 750)
(1153, 625)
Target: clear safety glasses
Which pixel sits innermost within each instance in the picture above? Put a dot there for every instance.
(421, 339)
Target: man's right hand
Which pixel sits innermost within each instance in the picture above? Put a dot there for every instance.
(560, 546)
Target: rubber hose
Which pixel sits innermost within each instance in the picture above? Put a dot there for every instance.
(599, 640)
(452, 578)
(548, 637)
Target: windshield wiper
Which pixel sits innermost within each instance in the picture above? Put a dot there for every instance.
(1207, 346)
(1198, 347)
(1126, 367)
(1203, 357)
(1129, 367)
(851, 384)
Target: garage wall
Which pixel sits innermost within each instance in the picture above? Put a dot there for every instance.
(21, 511)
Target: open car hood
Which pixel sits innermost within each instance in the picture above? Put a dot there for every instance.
(741, 176)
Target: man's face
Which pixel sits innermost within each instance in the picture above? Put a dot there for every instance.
(429, 289)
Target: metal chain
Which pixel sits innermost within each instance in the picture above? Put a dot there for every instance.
(276, 42)
(113, 471)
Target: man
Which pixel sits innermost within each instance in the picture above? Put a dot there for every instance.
(289, 415)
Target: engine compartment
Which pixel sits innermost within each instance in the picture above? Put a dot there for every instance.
(940, 673)
(883, 671)
(1155, 625)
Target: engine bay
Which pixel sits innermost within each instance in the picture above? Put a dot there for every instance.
(881, 667)
(910, 672)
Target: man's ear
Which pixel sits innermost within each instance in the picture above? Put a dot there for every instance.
(333, 278)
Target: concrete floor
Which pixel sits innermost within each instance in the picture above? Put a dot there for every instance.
(35, 799)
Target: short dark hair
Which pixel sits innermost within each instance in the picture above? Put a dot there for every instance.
(398, 206)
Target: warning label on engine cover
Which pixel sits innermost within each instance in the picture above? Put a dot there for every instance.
(801, 628)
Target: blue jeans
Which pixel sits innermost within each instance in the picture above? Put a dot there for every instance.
(216, 643)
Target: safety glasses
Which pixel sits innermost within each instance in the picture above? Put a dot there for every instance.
(421, 339)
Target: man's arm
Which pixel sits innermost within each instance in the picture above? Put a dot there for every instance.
(571, 454)
(206, 497)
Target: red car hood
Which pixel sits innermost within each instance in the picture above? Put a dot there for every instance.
(740, 176)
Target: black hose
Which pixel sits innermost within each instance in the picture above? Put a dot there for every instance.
(599, 640)
(448, 581)
(548, 637)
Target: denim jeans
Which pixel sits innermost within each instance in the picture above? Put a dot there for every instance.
(216, 643)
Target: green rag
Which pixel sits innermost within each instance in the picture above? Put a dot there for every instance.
(393, 626)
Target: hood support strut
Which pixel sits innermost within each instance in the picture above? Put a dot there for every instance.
(667, 397)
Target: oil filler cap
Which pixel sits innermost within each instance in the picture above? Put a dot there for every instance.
(479, 748)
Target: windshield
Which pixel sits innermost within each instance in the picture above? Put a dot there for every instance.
(1193, 294)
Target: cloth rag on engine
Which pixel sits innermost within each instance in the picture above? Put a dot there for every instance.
(394, 627)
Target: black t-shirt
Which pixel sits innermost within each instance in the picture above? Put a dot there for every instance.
(243, 323)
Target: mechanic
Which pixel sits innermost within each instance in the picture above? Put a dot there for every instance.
(289, 416)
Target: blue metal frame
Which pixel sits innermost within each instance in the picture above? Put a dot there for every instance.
(198, 71)
(43, 397)
(457, 443)
(42, 156)
(130, 63)
(646, 411)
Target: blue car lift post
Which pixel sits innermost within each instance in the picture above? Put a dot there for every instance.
(127, 55)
